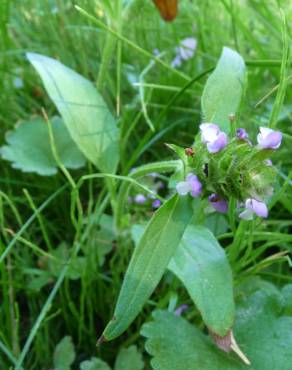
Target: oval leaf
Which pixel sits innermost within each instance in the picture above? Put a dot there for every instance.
(84, 111)
(201, 264)
(149, 261)
(223, 89)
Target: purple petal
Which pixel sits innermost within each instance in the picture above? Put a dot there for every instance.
(269, 139)
(268, 162)
(176, 62)
(209, 132)
(156, 203)
(183, 188)
(186, 48)
(156, 52)
(140, 199)
(185, 53)
(218, 203)
(195, 185)
(218, 144)
(182, 308)
(189, 42)
(259, 208)
(241, 134)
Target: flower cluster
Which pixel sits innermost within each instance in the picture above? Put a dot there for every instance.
(147, 199)
(184, 51)
(220, 168)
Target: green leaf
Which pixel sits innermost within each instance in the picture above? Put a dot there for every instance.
(217, 223)
(64, 354)
(287, 294)
(223, 89)
(28, 147)
(129, 359)
(101, 242)
(38, 282)
(84, 111)
(261, 330)
(94, 364)
(149, 261)
(61, 254)
(201, 264)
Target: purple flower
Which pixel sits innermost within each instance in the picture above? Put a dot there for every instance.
(182, 308)
(215, 139)
(218, 203)
(268, 162)
(254, 206)
(187, 48)
(241, 134)
(184, 51)
(176, 62)
(269, 139)
(156, 52)
(140, 199)
(156, 203)
(192, 185)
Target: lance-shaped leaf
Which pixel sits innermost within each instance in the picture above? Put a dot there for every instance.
(223, 89)
(261, 329)
(90, 123)
(149, 261)
(201, 264)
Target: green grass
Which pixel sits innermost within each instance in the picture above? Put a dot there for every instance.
(164, 108)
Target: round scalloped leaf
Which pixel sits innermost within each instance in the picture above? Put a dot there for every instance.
(262, 330)
(28, 147)
(129, 359)
(64, 354)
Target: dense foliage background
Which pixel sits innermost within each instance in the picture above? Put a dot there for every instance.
(38, 305)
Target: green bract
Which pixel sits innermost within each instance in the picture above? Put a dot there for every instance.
(238, 171)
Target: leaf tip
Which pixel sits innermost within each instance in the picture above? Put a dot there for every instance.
(235, 348)
(227, 343)
(101, 340)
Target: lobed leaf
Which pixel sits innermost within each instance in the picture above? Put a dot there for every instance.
(94, 364)
(64, 354)
(261, 329)
(129, 359)
(28, 147)
(90, 123)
